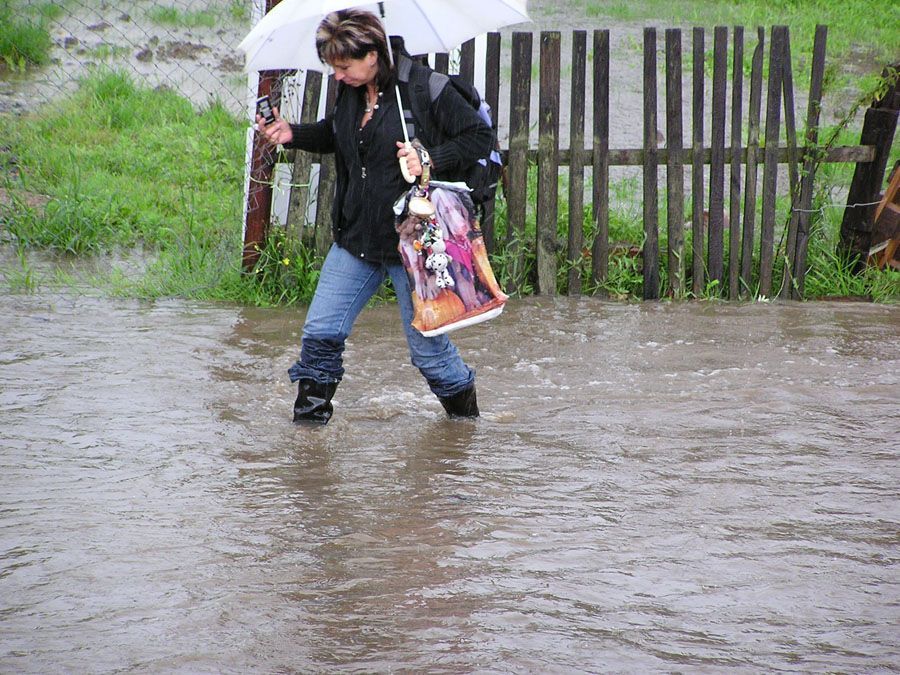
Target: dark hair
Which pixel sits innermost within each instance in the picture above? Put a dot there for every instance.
(351, 34)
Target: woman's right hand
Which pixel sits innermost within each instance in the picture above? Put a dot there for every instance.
(276, 133)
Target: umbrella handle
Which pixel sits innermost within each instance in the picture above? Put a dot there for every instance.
(404, 167)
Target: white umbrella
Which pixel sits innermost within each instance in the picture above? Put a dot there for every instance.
(284, 39)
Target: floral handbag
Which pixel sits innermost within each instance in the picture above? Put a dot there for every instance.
(442, 248)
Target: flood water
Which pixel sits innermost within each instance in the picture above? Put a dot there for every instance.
(652, 487)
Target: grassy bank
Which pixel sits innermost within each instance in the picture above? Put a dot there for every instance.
(118, 166)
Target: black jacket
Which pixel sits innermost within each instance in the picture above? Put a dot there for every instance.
(368, 179)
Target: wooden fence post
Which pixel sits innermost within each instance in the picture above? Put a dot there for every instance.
(790, 126)
(770, 170)
(325, 195)
(879, 126)
(492, 98)
(600, 173)
(675, 162)
(442, 62)
(548, 163)
(517, 169)
(716, 218)
(651, 174)
(576, 163)
(810, 160)
(262, 164)
(749, 225)
(467, 61)
(697, 272)
(298, 205)
(734, 190)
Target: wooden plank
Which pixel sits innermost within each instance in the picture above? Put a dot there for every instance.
(325, 196)
(442, 62)
(548, 163)
(576, 166)
(816, 85)
(790, 125)
(298, 204)
(600, 159)
(492, 97)
(749, 225)
(734, 191)
(674, 163)
(716, 217)
(651, 188)
(697, 272)
(492, 73)
(770, 170)
(467, 61)
(850, 154)
(517, 160)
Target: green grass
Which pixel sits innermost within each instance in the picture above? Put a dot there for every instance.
(24, 38)
(860, 27)
(239, 11)
(236, 12)
(125, 166)
(172, 16)
(862, 34)
(128, 167)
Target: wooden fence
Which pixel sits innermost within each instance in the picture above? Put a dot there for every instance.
(746, 261)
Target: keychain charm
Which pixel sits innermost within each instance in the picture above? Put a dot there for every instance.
(437, 260)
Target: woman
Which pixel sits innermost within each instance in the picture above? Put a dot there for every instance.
(364, 131)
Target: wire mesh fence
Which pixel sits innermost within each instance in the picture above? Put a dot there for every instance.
(187, 45)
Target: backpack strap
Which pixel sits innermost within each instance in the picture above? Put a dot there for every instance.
(422, 87)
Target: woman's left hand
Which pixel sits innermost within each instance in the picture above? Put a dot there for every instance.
(413, 165)
(276, 133)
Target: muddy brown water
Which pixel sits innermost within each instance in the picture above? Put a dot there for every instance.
(655, 487)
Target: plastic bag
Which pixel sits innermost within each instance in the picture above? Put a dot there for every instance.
(442, 248)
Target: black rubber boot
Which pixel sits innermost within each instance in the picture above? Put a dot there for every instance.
(463, 404)
(313, 404)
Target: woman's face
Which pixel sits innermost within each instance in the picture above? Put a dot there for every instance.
(356, 72)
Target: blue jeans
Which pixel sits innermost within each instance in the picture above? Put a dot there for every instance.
(346, 284)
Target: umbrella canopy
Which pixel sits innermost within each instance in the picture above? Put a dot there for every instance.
(284, 39)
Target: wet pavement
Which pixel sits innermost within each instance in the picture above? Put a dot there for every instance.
(652, 487)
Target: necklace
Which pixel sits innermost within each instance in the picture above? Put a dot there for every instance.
(369, 106)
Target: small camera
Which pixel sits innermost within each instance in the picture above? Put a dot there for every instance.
(264, 108)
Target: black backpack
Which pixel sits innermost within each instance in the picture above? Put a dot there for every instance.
(424, 86)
